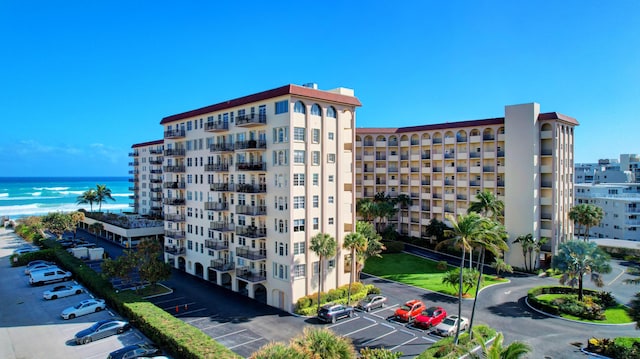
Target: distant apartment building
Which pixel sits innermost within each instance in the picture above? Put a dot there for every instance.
(249, 181)
(624, 170)
(146, 171)
(525, 158)
(620, 203)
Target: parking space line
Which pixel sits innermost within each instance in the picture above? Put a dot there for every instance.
(195, 320)
(178, 306)
(344, 322)
(405, 343)
(430, 339)
(245, 343)
(212, 326)
(363, 328)
(168, 300)
(374, 339)
(226, 335)
(189, 312)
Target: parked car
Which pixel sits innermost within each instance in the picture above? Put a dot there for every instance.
(372, 301)
(37, 267)
(430, 317)
(36, 262)
(333, 312)
(102, 329)
(85, 307)
(23, 250)
(408, 311)
(62, 291)
(50, 275)
(134, 351)
(449, 325)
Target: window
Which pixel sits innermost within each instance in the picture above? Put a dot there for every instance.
(280, 135)
(331, 157)
(316, 267)
(316, 223)
(330, 199)
(315, 158)
(298, 179)
(316, 201)
(282, 107)
(331, 112)
(330, 220)
(298, 134)
(298, 202)
(315, 179)
(298, 156)
(298, 270)
(332, 263)
(330, 135)
(330, 178)
(298, 225)
(299, 107)
(189, 126)
(315, 135)
(298, 248)
(280, 271)
(315, 110)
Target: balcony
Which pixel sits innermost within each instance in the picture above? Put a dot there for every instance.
(546, 152)
(133, 172)
(176, 218)
(133, 189)
(174, 201)
(251, 275)
(157, 198)
(251, 231)
(133, 196)
(222, 226)
(155, 190)
(251, 188)
(461, 169)
(175, 152)
(134, 163)
(488, 137)
(488, 169)
(175, 250)
(222, 265)
(221, 147)
(216, 167)
(474, 155)
(155, 180)
(156, 171)
(175, 234)
(176, 133)
(216, 126)
(216, 206)
(175, 185)
(251, 166)
(222, 187)
(156, 162)
(134, 154)
(155, 151)
(251, 120)
(251, 210)
(250, 145)
(251, 254)
(216, 245)
(461, 138)
(174, 169)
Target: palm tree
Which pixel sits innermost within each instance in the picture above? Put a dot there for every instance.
(501, 266)
(586, 215)
(96, 228)
(323, 343)
(324, 246)
(536, 247)
(102, 194)
(374, 245)
(526, 243)
(355, 243)
(576, 258)
(465, 229)
(487, 205)
(365, 209)
(514, 350)
(88, 197)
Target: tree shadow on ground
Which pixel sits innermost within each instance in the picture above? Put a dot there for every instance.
(515, 309)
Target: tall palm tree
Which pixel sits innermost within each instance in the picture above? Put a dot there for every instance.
(576, 258)
(102, 194)
(355, 243)
(514, 350)
(365, 209)
(374, 244)
(88, 197)
(465, 229)
(487, 205)
(324, 246)
(586, 215)
(526, 242)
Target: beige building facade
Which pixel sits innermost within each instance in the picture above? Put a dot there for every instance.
(248, 182)
(525, 158)
(146, 172)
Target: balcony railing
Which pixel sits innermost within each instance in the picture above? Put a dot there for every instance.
(175, 152)
(250, 145)
(217, 167)
(251, 276)
(253, 119)
(216, 206)
(176, 133)
(175, 185)
(174, 201)
(474, 155)
(174, 217)
(216, 245)
(174, 169)
(222, 187)
(222, 265)
(175, 234)
(488, 137)
(251, 254)
(155, 162)
(155, 180)
(488, 169)
(251, 210)
(251, 166)
(133, 189)
(155, 151)
(251, 231)
(251, 188)
(175, 250)
(474, 183)
(215, 126)
(222, 226)
(221, 147)
(155, 189)
(134, 154)
(156, 171)
(134, 163)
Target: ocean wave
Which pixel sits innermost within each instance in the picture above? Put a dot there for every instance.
(51, 188)
(121, 195)
(41, 209)
(71, 192)
(4, 195)
(30, 198)
(36, 194)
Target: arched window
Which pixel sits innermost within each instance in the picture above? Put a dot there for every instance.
(299, 107)
(315, 110)
(331, 112)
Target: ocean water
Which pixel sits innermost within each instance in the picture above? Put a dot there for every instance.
(27, 196)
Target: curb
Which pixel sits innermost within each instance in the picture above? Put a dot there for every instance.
(526, 301)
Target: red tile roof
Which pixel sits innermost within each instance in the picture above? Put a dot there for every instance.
(260, 96)
(150, 143)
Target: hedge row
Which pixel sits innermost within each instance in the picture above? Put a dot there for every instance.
(308, 305)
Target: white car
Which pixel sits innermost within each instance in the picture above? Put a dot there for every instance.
(450, 324)
(85, 307)
(27, 269)
(41, 266)
(62, 291)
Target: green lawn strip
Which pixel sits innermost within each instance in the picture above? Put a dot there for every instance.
(615, 315)
(153, 290)
(417, 271)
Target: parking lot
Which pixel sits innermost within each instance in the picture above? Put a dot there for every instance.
(31, 327)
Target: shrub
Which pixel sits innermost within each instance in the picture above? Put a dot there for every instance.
(308, 305)
(442, 265)
(393, 246)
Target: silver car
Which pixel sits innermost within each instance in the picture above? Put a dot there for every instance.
(85, 307)
(372, 301)
(62, 291)
(102, 329)
(450, 324)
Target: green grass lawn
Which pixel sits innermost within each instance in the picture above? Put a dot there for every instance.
(614, 315)
(417, 271)
(153, 290)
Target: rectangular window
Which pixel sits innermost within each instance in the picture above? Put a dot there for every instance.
(316, 201)
(330, 220)
(298, 248)
(316, 223)
(332, 263)
(298, 179)
(189, 126)
(316, 267)
(330, 199)
(331, 157)
(315, 158)
(330, 135)
(315, 179)
(330, 178)
(315, 135)
(298, 202)
(298, 225)
(282, 107)
(298, 156)
(298, 270)
(298, 134)
(281, 134)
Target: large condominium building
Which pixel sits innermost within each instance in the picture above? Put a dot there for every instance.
(624, 170)
(147, 178)
(525, 158)
(620, 203)
(248, 182)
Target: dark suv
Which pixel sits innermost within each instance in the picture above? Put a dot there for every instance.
(333, 312)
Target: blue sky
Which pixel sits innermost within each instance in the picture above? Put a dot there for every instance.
(81, 81)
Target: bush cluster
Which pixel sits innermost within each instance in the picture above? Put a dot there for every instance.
(393, 246)
(619, 348)
(586, 309)
(445, 348)
(308, 304)
(592, 306)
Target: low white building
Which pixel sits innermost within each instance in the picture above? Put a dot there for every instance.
(621, 205)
